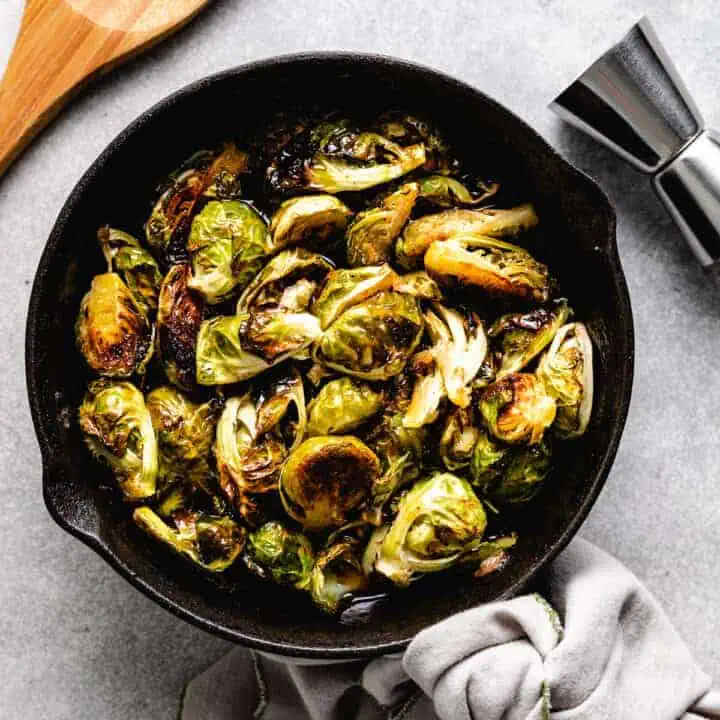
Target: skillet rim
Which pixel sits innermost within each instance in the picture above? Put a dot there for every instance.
(88, 534)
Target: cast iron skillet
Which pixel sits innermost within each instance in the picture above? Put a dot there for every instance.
(580, 248)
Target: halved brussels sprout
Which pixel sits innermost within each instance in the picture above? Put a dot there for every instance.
(337, 574)
(334, 175)
(345, 288)
(227, 244)
(524, 472)
(118, 429)
(523, 336)
(418, 284)
(180, 314)
(287, 282)
(459, 349)
(276, 334)
(326, 478)
(518, 409)
(134, 264)
(341, 406)
(482, 223)
(458, 440)
(273, 551)
(372, 233)
(401, 451)
(254, 437)
(373, 340)
(221, 180)
(488, 461)
(428, 391)
(112, 331)
(439, 521)
(213, 543)
(566, 370)
(447, 192)
(220, 358)
(307, 218)
(499, 268)
(185, 432)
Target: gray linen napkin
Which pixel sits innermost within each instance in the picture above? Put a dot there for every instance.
(597, 646)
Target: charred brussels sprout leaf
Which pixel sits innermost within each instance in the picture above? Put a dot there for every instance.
(345, 288)
(253, 440)
(180, 314)
(566, 370)
(439, 521)
(220, 356)
(227, 245)
(428, 390)
(275, 552)
(276, 334)
(307, 218)
(418, 284)
(118, 429)
(483, 223)
(288, 282)
(134, 264)
(185, 433)
(499, 268)
(458, 439)
(488, 461)
(517, 409)
(326, 478)
(371, 235)
(341, 406)
(448, 192)
(213, 543)
(337, 574)
(373, 340)
(522, 337)
(112, 331)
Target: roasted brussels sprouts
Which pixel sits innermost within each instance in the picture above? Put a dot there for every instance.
(488, 461)
(418, 284)
(273, 551)
(566, 370)
(428, 391)
(213, 543)
(499, 268)
(482, 223)
(179, 316)
(307, 218)
(167, 228)
(438, 522)
(337, 574)
(185, 432)
(345, 288)
(220, 357)
(326, 478)
(447, 192)
(341, 406)
(251, 444)
(335, 175)
(118, 429)
(372, 233)
(112, 331)
(459, 349)
(288, 282)
(458, 439)
(134, 264)
(276, 334)
(518, 408)
(524, 472)
(523, 336)
(227, 244)
(373, 340)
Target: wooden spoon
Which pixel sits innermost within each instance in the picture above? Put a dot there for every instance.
(63, 44)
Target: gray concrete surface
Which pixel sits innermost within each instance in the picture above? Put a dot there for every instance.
(78, 642)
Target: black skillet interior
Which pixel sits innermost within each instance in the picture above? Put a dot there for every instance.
(578, 244)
